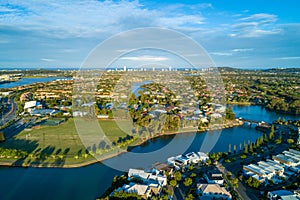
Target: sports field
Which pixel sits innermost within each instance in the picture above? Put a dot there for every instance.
(61, 141)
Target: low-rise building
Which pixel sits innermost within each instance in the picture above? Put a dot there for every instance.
(287, 159)
(142, 190)
(276, 169)
(181, 161)
(214, 176)
(282, 194)
(212, 191)
(147, 177)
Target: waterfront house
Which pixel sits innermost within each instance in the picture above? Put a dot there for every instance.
(178, 162)
(281, 194)
(147, 177)
(142, 190)
(203, 156)
(163, 167)
(193, 157)
(212, 191)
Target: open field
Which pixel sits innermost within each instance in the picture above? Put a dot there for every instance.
(57, 144)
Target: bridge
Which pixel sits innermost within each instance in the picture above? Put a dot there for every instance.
(260, 125)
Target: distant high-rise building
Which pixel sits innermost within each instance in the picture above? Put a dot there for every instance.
(124, 68)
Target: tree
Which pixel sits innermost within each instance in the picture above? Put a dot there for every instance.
(265, 138)
(290, 141)
(240, 146)
(193, 175)
(229, 175)
(229, 148)
(235, 182)
(278, 141)
(173, 183)
(188, 182)
(177, 176)
(229, 114)
(234, 148)
(253, 182)
(2, 137)
(271, 134)
(215, 156)
(189, 197)
(209, 162)
(251, 147)
(124, 195)
(246, 148)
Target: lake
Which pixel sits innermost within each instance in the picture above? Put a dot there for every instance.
(91, 181)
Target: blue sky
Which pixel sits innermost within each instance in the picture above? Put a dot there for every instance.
(245, 34)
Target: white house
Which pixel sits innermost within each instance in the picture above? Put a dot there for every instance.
(147, 177)
(139, 189)
(212, 191)
(281, 194)
(214, 176)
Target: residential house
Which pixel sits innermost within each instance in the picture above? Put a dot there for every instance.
(212, 191)
(282, 194)
(214, 176)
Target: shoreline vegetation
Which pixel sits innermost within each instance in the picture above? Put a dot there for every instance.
(239, 103)
(114, 153)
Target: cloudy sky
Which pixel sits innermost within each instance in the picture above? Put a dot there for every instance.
(245, 34)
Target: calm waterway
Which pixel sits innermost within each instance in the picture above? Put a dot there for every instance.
(91, 181)
(27, 81)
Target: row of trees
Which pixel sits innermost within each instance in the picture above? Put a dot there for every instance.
(250, 146)
(12, 153)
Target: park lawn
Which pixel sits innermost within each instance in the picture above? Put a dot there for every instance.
(48, 139)
(113, 130)
(61, 140)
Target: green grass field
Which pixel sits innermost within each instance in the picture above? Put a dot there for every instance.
(55, 141)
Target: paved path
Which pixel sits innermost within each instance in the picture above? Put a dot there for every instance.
(241, 190)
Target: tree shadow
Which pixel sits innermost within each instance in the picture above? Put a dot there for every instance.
(28, 146)
(66, 151)
(48, 150)
(58, 151)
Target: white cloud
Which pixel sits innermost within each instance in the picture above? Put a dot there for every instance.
(262, 17)
(145, 58)
(90, 18)
(256, 25)
(48, 59)
(242, 50)
(221, 53)
(69, 50)
(259, 33)
(288, 58)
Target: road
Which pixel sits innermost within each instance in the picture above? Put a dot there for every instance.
(241, 190)
(178, 194)
(11, 114)
(17, 127)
